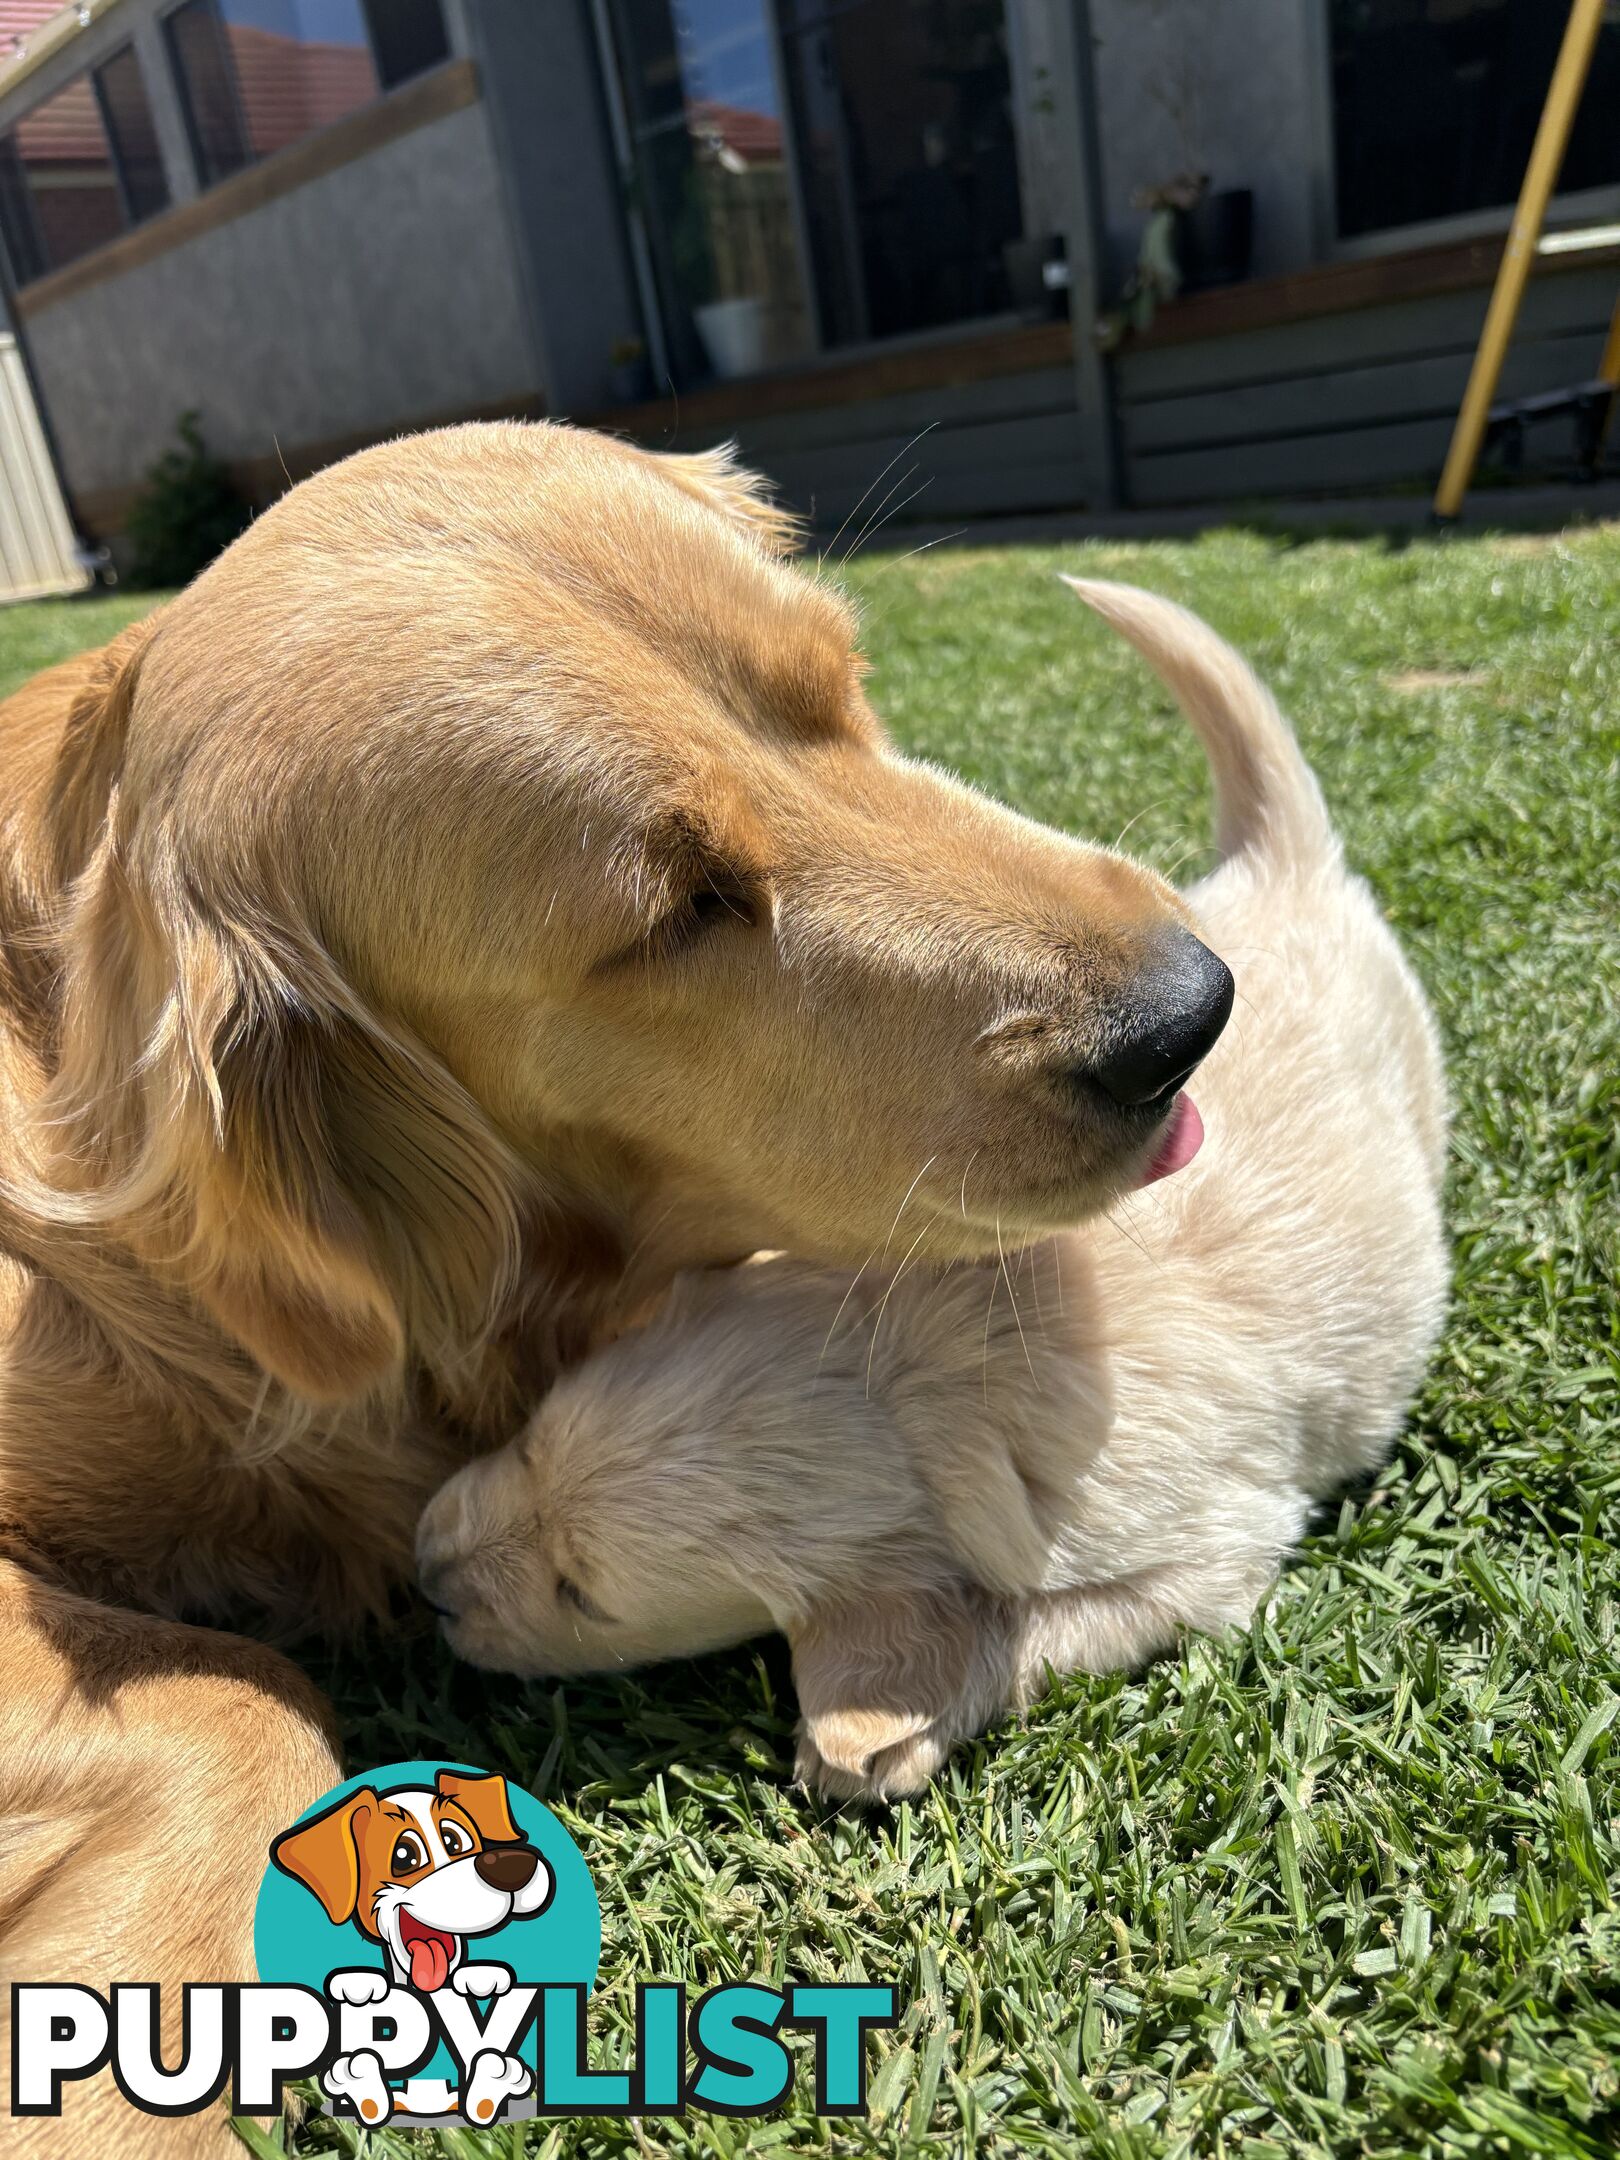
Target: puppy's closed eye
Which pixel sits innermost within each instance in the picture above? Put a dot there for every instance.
(571, 1594)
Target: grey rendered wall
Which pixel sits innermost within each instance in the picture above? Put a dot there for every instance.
(1228, 87)
(381, 294)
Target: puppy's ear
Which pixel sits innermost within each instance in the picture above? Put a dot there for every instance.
(485, 1800)
(324, 1855)
(716, 479)
(887, 1684)
(227, 1105)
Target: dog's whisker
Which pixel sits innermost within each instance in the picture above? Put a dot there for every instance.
(843, 1304)
(855, 507)
(877, 1325)
(905, 1203)
(1012, 1297)
(877, 512)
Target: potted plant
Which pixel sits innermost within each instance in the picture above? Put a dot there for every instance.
(731, 327)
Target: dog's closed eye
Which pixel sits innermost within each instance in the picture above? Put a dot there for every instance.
(571, 1594)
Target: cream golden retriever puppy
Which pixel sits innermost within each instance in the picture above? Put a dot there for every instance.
(485, 892)
(941, 1485)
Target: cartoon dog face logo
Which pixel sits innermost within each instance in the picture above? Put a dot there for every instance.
(421, 1870)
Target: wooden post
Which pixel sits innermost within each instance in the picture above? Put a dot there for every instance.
(1540, 178)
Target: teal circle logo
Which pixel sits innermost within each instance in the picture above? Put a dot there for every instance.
(428, 1885)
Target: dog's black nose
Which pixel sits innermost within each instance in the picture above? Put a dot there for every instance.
(1166, 1023)
(506, 1867)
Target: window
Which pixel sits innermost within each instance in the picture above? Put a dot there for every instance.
(80, 169)
(910, 162)
(1435, 105)
(256, 75)
(816, 173)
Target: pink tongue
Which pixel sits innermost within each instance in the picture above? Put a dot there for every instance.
(1184, 1136)
(430, 1964)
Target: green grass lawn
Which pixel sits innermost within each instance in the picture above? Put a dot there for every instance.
(1345, 1885)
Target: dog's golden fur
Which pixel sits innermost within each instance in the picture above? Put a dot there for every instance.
(484, 892)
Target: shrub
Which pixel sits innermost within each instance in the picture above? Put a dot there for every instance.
(187, 511)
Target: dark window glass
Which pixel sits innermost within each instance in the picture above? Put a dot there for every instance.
(1435, 105)
(128, 120)
(407, 37)
(72, 183)
(908, 159)
(17, 216)
(207, 91)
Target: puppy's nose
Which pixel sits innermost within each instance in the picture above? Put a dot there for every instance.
(435, 1585)
(1167, 1022)
(506, 1867)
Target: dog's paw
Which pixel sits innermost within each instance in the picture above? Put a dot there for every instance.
(364, 1986)
(493, 2081)
(481, 1979)
(358, 2078)
(841, 1761)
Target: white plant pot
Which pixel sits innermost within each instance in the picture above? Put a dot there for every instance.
(733, 334)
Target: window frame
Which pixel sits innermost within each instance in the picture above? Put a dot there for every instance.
(1577, 208)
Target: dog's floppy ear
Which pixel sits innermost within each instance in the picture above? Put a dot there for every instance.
(324, 1854)
(226, 1103)
(717, 480)
(887, 1681)
(485, 1800)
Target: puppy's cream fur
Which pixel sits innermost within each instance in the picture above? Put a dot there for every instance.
(941, 1484)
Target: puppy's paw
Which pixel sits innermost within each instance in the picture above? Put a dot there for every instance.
(493, 2080)
(358, 2078)
(362, 1986)
(481, 1979)
(871, 1759)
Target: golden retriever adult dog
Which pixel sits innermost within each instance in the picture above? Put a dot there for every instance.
(941, 1486)
(485, 892)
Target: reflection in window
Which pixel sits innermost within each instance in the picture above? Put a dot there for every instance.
(1435, 106)
(876, 134)
(79, 169)
(256, 75)
(705, 114)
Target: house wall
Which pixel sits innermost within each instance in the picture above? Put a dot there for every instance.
(383, 293)
(1227, 87)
